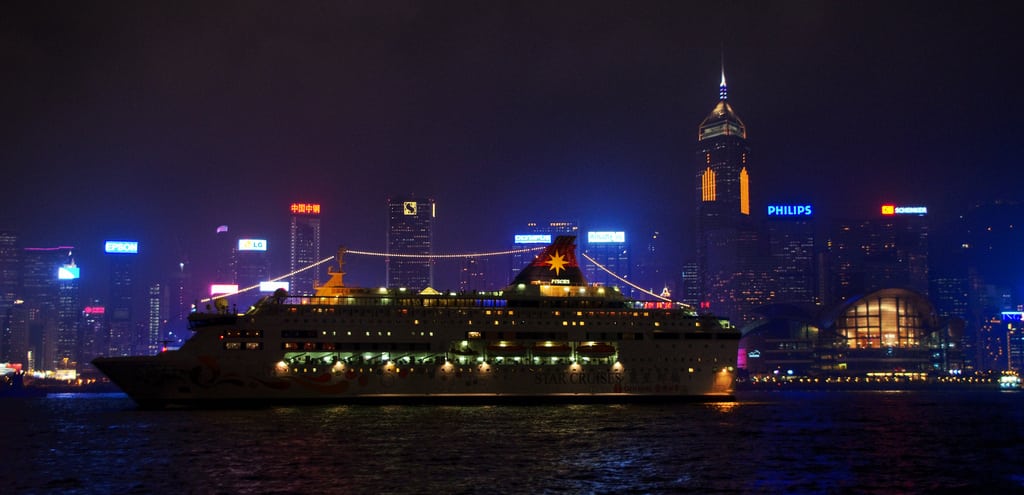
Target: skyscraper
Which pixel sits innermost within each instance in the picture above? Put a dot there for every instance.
(10, 281)
(41, 286)
(304, 247)
(10, 270)
(410, 232)
(93, 334)
(727, 275)
(609, 248)
(121, 308)
(252, 266)
(69, 306)
(154, 321)
(792, 274)
(878, 253)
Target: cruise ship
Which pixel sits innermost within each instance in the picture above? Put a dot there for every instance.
(548, 336)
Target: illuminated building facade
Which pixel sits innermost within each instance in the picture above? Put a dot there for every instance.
(871, 254)
(252, 266)
(610, 249)
(121, 307)
(886, 331)
(304, 247)
(69, 307)
(154, 320)
(10, 272)
(1013, 322)
(890, 329)
(410, 232)
(792, 273)
(729, 277)
(10, 277)
(93, 334)
(42, 289)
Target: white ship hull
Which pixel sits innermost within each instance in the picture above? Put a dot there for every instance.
(174, 379)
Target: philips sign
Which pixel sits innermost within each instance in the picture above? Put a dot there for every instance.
(252, 244)
(121, 247)
(789, 210)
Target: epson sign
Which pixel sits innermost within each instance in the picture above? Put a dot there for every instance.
(789, 210)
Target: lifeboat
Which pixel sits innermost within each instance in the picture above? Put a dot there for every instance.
(551, 349)
(595, 349)
(506, 349)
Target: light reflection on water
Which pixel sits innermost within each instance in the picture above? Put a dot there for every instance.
(800, 442)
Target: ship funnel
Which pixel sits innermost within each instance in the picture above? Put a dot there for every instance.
(556, 265)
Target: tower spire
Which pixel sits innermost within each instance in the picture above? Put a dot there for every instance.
(723, 92)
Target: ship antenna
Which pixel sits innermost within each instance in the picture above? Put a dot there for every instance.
(341, 265)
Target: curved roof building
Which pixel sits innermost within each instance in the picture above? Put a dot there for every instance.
(888, 330)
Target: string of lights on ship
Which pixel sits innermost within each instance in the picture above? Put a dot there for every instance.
(439, 256)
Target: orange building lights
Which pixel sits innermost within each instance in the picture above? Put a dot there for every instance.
(707, 187)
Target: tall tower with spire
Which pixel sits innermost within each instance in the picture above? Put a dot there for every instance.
(726, 239)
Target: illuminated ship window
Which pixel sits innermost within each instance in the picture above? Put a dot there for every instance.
(232, 346)
(253, 346)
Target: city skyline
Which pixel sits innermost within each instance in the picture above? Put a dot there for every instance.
(161, 123)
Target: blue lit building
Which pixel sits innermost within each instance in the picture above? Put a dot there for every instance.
(611, 250)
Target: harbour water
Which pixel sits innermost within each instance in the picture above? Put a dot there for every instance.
(765, 442)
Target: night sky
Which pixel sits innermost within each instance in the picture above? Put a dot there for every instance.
(159, 121)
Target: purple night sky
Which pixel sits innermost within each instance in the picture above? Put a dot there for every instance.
(159, 121)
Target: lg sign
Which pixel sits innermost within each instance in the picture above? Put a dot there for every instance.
(252, 244)
(789, 210)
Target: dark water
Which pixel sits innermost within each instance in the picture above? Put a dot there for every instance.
(781, 442)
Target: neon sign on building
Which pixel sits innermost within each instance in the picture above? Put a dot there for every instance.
(252, 244)
(305, 208)
(273, 286)
(533, 238)
(605, 237)
(890, 210)
(223, 289)
(68, 272)
(121, 247)
(789, 210)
